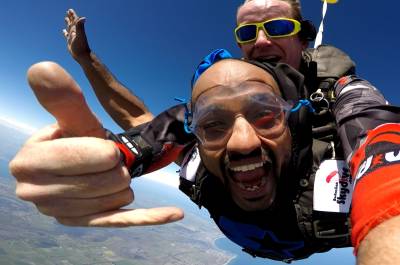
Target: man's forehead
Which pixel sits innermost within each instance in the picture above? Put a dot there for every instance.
(258, 10)
(260, 2)
(266, 3)
(232, 73)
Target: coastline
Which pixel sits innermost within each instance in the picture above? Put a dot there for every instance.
(230, 260)
(231, 253)
(240, 257)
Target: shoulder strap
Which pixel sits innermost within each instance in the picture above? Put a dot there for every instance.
(323, 67)
(192, 175)
(325, 228)
(330, 61)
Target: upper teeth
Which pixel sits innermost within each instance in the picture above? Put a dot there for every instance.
(247, 167)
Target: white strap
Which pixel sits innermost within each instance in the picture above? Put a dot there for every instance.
(318, 39)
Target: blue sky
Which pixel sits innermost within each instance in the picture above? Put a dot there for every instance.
(153, 46)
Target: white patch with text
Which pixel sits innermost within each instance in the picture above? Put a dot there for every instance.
(333, 187)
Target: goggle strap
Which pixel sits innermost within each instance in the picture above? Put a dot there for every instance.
(187, 115)
(213, 57)
(303, 102)
(186, 125)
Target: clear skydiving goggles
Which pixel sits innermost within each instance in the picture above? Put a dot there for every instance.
(273, 28)
(216, 111)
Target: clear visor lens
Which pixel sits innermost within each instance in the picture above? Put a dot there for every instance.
(215, 114)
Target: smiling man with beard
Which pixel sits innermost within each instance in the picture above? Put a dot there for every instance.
(252, 165)
(255, 152)
(240, 120)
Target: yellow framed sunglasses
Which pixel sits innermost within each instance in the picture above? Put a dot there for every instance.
(273, 28)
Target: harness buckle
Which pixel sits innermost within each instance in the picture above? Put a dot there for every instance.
(195, 196)
(336, 230)
(320, 102)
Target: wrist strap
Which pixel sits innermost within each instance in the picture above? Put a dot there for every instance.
(136, 152)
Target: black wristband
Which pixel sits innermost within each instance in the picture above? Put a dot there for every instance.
(137, 153)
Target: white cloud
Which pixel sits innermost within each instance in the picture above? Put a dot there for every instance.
(166, 176)
(17, 125)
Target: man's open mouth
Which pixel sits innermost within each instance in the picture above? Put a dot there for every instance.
(271, 59)
(251, 178)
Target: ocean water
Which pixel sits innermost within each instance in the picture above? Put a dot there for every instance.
(242, 258)
(343, 256)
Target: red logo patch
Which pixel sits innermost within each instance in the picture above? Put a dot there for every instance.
(331, 175)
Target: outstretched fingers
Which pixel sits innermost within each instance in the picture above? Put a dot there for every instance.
(125, 218)
(69, 156)
(73, 23)
(75, 207)
(50, 187)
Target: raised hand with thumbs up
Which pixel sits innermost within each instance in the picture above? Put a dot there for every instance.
(69, 170)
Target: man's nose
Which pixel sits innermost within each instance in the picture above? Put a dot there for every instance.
(244, 139)
(262, 39)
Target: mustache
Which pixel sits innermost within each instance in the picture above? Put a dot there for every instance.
(256, 153)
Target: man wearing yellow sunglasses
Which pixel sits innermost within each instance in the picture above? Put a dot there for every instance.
(288, 36)
(270, 30)
(276, 37)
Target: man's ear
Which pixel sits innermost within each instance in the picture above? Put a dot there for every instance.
(304, 44)
(308, 31)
